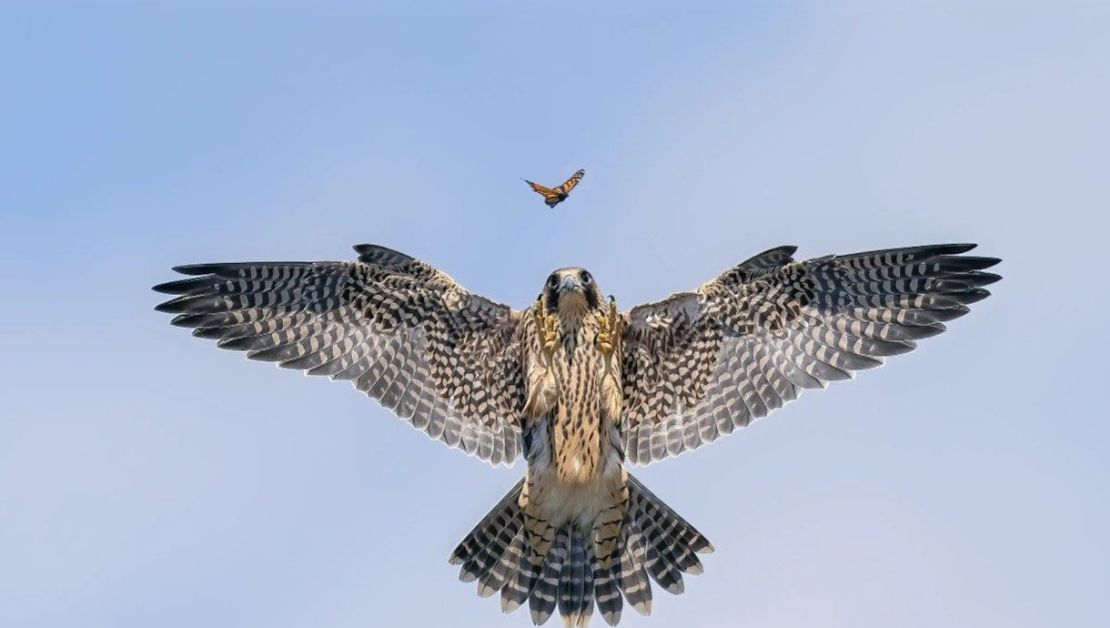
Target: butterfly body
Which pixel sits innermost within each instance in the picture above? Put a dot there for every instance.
(558, 194)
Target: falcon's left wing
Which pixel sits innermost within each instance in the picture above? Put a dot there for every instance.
(699, 364)
(406, 334)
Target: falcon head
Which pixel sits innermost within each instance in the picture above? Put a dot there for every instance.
(571, 292)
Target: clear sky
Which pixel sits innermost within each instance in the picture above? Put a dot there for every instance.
(148, 479)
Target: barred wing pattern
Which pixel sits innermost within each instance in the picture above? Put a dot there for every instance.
(697, 365)
(404, 333)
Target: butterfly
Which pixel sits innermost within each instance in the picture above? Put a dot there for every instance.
(556, 195)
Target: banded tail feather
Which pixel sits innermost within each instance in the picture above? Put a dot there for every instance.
(490, 538)
(576, 576)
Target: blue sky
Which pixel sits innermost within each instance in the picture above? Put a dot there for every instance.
(148, 479)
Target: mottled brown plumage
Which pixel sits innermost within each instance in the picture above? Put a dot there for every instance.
(578, 388)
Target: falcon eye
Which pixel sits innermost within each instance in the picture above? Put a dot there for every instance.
(586, 278)
(553, 281)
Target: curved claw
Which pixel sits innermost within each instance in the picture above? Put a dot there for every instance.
(608, 329)
(545, 326)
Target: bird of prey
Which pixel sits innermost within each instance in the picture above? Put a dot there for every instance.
(556, 195)
(578, 388)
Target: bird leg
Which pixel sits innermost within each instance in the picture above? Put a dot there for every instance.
(549, 333)
(606, 335)
(543, 388)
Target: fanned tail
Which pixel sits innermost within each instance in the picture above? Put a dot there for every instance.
(489, 541)
(672, 544)
(576, 575)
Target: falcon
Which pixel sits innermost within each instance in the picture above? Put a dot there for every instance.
(578, 388)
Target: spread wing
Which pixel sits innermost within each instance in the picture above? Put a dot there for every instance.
(404, 333)
(699, 364)
(550, 196)
(570, 183)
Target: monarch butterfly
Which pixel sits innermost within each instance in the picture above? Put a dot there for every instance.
(554, 196)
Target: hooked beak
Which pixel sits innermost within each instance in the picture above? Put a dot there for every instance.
(570, 283)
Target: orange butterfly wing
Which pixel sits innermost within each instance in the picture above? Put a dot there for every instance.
(551, 197)
(570, 183)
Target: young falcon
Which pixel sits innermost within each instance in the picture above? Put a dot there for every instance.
(578, 388)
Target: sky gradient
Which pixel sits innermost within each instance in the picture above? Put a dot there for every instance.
(149, 479)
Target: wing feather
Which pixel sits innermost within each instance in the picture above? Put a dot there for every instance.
(403, 332)
(699, 364)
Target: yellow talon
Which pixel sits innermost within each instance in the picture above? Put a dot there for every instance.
(608, 329)
(545, 323)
